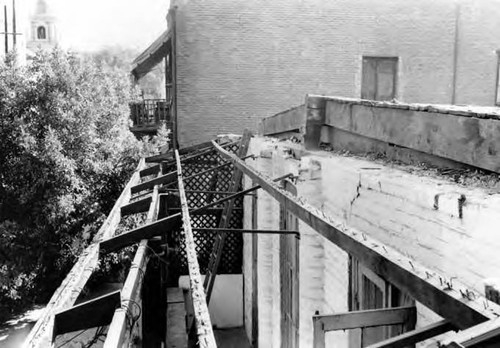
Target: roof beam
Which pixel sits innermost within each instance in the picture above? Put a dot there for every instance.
(205, 333)
(119, 333)
(139, 206)
(387, 262)
(475, 335)
(93, 313)
(163, 179)
(158, 227)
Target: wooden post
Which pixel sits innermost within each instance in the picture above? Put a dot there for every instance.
(319, 333)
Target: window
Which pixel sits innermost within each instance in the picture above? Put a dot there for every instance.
(379, 77)
(41, 33)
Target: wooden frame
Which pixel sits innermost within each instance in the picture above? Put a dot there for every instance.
(415, 336)
(119, 332)
(359, 319)
(67, 293)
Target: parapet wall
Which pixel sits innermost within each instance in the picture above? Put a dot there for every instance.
(443, 135)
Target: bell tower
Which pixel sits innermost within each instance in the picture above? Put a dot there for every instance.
(43, 27)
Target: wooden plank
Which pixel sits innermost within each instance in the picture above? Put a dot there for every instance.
(366, 318)
(318, 334)
(138, 206)
(170, 155)
(118, 332)
(69, 290)
(164, 179)
(93, 313)
(176, 326)
(415, 336)
(150, 171)
(205, 333)
(390, 264)
(144, 232)
(175, 295)
(475, 335)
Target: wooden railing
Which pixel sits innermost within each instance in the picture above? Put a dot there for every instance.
(150, 113)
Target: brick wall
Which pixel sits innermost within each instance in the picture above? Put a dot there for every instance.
(239, 61)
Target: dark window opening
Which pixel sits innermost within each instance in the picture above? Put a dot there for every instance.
(379, 78)
(41, 33)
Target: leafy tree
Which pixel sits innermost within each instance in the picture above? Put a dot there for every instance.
(65, 154)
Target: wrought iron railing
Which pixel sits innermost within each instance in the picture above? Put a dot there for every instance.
(151, 112)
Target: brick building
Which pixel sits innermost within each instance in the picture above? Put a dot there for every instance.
(238, 61)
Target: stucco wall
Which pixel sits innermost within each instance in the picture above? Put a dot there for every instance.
(238, 61)
(386, 202)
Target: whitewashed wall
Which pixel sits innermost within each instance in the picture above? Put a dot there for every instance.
(385, 202)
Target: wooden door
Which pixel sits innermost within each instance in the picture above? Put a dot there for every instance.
(370, 291)
(289, 276)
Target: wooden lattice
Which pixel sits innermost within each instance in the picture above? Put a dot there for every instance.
(219, 180)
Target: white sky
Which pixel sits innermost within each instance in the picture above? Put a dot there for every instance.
(93, 24)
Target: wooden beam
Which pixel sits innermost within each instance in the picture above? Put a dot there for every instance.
(119, 333)
(410, 338)
(205, 333)
(404, 273)
(163, 225)
(144, 232)
(164, 179)
(66, 294)
(93, 313)
(475, 335)
(366, 318)
(170, 155)
(139, 206)
(150, 171)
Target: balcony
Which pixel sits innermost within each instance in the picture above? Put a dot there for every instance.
(148, 115)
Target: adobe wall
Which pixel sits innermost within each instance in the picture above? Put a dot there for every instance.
(239, 61)
(443, 135)
(406, 208)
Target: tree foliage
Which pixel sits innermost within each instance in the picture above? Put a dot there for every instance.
(65, 154)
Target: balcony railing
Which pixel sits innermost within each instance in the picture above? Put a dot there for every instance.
(149, 114)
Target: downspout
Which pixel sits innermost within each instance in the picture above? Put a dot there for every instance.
(455, 55)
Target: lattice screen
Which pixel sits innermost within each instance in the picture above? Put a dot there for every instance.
(232, 258)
